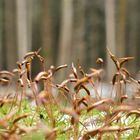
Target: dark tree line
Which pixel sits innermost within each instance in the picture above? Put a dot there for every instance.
(69, 31)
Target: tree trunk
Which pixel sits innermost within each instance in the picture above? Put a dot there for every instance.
(132, 35)
(55, 13)
(121, 28)
(1, 34)
(89, 37)
(36, 33)
(66, 33)
(51, 30)
(10, 34)
(29, 4)
(77, 47)
(47, 33)
(110, 34)
(22, 30)
(94, 32)
(138, 35)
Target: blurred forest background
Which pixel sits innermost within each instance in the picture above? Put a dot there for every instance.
(70, 31)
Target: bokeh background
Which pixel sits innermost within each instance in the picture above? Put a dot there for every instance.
(70, 31)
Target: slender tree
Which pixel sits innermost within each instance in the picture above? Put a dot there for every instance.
(110, 34)
(133, 17)
(9, 36)
(29, 15)
(47, 32)
(51, 29)
(121, 27)
(36, 32)
(78, 44)
(66, 33)
(22, 30)
(94, 35)
(89, 37)
(1, 33)
(138, 35)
